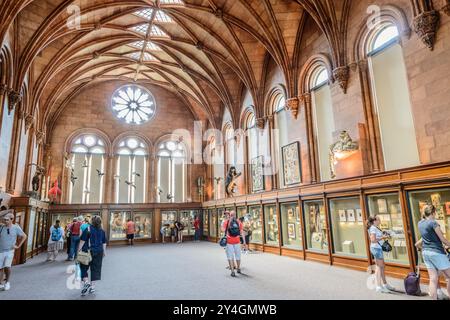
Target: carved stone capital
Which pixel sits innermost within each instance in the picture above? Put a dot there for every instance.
(29, 121)
(40, 137)
(425, 26)
(341, 75)
(260, 123)
(363, 65)
(306, 98)
(293, 104)
(14, 99)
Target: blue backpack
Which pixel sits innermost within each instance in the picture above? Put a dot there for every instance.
(56, 234)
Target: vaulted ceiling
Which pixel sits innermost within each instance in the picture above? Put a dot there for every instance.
(205, 51)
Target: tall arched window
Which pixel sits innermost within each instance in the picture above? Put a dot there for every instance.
(323, 118)
(230, 146)
(390, 92)
(280, 137)
(87, 162)
(252, 149)
(172, 172)
(131, 171)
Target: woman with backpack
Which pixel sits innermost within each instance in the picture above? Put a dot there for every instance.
(377, 239)
(433, 252)
(56, 241)
(93, 243)
(233, 229)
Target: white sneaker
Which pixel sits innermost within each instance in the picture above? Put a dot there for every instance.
(389, 287)
(7, 286)
(382, 290)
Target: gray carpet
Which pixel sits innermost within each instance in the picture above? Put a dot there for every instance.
(194, 271)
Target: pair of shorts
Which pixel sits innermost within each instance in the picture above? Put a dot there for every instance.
(233, 252)
(130, 236)
(435, 260)
(95, 267)
(377, 253)
(6, 259)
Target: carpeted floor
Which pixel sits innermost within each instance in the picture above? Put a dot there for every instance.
(194, 271)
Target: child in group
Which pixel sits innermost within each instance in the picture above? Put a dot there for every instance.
(163, 231)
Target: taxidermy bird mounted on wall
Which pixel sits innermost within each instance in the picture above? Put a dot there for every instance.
(218, 179)
(131, 184)
(85, 164)
(159, 190)
(136, 174)
(100, 174)
(170, 197)
(72, 176)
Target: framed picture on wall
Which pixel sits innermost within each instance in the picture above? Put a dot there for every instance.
(382, 206)
(359, 215)
(291, 231)
(342, 216)
(258, 174)
(351, 217)
(291, 164)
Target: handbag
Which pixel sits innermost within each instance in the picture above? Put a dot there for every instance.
(386, 246)
(84, 258)
(223, 241)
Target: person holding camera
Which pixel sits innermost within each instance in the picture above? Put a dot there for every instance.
(377, 239)
(433, 252)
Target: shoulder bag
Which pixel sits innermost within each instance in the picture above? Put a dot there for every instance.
(85, 258)
(223, 241)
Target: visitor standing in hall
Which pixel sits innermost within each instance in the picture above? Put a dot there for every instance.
(75, 233)
(93, 240)
(179, 230)
(85, 224)
(68, 237)
(55, 242)
(197, 229)
(233, 229)
(433, 252)
(377, 238)
(131, 230)
(164, 231)
(11, 239)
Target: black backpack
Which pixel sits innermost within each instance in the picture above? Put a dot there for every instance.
(233, 228)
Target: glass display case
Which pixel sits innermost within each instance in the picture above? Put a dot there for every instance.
(143, 222)
(187, 221)
(387, 208)
(117, 225)
(64, 218)
(205, 223)
(348, 230)
(316, 226)
(271, 227)
(291, 227)
(168, 217)
(241, 212)
(255, 217)
(213, 223)
(31, 227)
(221, 218)
(440, 198)
(187, 218)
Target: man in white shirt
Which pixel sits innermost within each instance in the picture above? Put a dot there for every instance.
(9, 235)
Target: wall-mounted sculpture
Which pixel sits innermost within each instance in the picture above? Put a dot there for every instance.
(341, 150)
